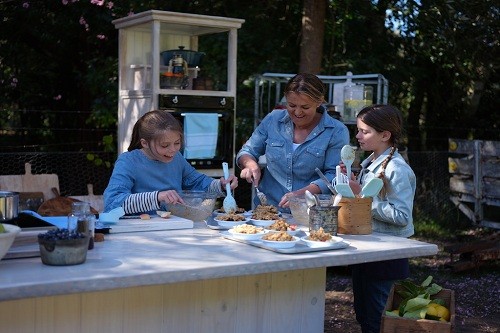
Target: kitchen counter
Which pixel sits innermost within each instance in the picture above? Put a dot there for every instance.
(227, 283)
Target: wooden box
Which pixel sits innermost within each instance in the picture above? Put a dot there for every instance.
(405, 325)
(355, 216)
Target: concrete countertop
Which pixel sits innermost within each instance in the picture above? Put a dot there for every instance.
(173, 256)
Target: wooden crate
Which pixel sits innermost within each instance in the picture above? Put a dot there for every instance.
(404, 325)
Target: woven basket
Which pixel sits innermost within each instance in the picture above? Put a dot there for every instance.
(355, 216)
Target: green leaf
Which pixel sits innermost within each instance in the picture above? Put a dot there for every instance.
(427, 281)
(434, 289)
(416, 304)
(412, 314)
(391, 314)
(439, 301)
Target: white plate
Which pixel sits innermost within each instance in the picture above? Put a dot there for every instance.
(262, 223)
(239, 235)
(230, 224)
(330, 243)
(281, 244)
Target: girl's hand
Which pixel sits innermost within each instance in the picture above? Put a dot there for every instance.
(343, 169)
(170, 197)
(233, 181)
(354, 185)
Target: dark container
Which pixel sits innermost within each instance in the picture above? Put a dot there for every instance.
(193, 58)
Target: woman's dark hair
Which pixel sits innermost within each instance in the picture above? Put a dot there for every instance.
(381, 118)
(309, 85)
(153, 124)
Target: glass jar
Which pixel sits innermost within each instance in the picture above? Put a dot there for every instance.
(356, 97)
(82, 220)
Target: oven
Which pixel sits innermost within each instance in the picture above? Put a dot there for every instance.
(209, 127)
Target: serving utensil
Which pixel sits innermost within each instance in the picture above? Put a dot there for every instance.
(371, 188)
(262, 197)
(311, 200)
(345, 190)
(348, 154)
(326, 181)
(229, 203)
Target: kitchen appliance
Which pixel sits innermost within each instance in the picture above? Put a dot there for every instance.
(183, 106)
(182, 66)
(9, 205)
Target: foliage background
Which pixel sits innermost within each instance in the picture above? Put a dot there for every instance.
(58, 57)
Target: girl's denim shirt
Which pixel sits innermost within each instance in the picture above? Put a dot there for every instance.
(392, 215)
(287, 169)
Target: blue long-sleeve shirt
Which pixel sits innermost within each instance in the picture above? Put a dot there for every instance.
(134, 173)
(290, 169)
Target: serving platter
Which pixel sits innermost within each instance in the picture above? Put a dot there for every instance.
(300, 247)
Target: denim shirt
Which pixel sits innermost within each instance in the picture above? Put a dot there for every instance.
(288, 169)
(392, 215)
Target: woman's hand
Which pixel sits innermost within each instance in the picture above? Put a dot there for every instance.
(250, 171)
(232, 180)
(170, 197)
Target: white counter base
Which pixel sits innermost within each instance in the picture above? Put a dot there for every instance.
(252, 303)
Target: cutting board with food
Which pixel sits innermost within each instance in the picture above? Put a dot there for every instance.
(154, 223)
(59, 205)
(30, 182)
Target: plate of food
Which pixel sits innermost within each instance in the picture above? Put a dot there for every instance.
(279, 240)
(230, 220)
(282, 225)
(221, 211)
(247, 232)
(320, 238)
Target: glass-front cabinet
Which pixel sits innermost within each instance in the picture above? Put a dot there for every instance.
(171, 54)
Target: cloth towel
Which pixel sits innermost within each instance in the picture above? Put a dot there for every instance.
(200, 131)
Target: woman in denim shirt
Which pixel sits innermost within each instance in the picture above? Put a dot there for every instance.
(294, 141)
(380, 130)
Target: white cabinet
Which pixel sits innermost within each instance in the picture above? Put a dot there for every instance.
(142, 38)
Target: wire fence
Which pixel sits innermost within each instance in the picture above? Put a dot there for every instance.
(77, 169)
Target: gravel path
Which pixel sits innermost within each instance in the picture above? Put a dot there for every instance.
(477, 294)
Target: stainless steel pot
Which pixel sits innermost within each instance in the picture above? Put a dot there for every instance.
(9, 205)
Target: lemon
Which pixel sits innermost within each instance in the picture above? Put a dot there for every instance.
(431, 310)
(2, 228)
(442, 312)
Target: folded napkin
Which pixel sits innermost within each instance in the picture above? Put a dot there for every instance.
(200, 132)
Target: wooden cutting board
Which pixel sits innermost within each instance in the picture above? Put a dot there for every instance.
(95, 201)
(153, 224)
(31, 183)
(59, 206)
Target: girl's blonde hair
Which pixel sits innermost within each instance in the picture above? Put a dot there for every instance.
(381, 118)
(152, 125)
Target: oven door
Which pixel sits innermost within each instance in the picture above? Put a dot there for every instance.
(208, 124)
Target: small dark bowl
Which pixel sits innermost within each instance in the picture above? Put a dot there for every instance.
(63, 252)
